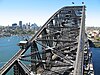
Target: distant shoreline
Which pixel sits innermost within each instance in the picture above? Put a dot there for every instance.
(3, 36)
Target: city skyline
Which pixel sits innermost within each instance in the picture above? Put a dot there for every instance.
(36, 11)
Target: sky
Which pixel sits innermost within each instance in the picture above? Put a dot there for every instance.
(39, 11)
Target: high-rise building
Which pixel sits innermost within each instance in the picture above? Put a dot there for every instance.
(29, 25)
(20, 24)
(24, 26)
(14, 25)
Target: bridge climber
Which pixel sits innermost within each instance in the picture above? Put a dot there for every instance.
(60, 47)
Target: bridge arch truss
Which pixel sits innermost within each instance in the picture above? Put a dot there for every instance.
(58, 48)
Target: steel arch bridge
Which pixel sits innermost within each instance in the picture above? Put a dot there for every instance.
(60, 47)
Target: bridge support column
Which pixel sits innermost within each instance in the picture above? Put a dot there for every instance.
(18, 70)
(33, 57)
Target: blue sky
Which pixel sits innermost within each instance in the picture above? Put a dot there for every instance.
(39, 11)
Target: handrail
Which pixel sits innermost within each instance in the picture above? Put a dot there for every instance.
(78, 70)
(12, 60)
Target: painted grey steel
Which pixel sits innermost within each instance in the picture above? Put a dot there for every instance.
(78, 70)
(60, 40)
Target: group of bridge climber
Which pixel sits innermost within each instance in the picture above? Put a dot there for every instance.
(60, 47)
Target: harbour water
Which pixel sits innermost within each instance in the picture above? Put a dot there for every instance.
(96, 60)
(8, 47)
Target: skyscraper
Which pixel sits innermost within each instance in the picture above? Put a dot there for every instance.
(14, 25)
(20, 24)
